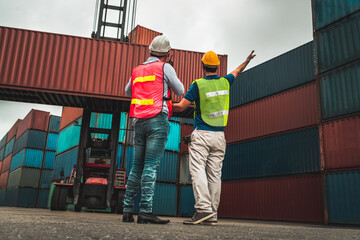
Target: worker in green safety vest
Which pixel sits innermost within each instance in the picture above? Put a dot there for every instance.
(210, 95)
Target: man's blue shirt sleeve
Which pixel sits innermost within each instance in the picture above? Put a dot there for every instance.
(193, 94)
(230, 78)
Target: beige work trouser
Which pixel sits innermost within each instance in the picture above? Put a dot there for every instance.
(206, 154)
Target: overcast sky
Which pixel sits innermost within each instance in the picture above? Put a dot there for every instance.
(232, 27)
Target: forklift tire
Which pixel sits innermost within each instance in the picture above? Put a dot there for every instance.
(77, 209)
(120, 202)
(55, 198)
(62, 199)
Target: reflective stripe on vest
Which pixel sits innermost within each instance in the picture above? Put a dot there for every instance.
(142, 101)
(144, 79)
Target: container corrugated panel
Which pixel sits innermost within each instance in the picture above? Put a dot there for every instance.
(285, 154)
(45, 179)
(341, 143)
(288, 110)
(24, 177)
(338, 44)
(340, 92)
(343, 197)
(49, 160)
(142, 35)
(119, 156)
(2, 197)
(3, 179)
(173, 142)
(123, 125)
(52, 186)
(2, 153)
(1, 163)
(51, 142)
(186, 130)
(80, 66)
(329, 11)
(168, 168)
(278, 74)
(165, 199)
(185, 177)
(54, 124)
(6, 164)
(69, 115)
(28, 157)
(13, 130)
(9, 147)
(30, 139)
(42, 200)
(3, 141)
(35, 119)
(287, 199)
(65, 161)
(21, 197)
(187, 201)
(68, 138)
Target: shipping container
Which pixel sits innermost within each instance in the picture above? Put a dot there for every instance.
(35, 119)
(69, 115)
(66, 161)
(2, 197)
(9, 147)
(295, 198)
(24, 177)
(45, 179)
(30, 139)
(2, 153)
(21, 197)
(1, 165)
(3, 141)
(286, 71)
(296, 108)
(119, 157)
(54, 124)
(343, 197)
(73, 68)
(285, 154)
(12, 131)
(186, 130)
(6, 164)
(69, 137)
(52, 186)
(185, 177)
(142, 35)
(173, 141)
(28, 157)
(3, 179)
(165, 199)
(187, 201)
(338, 44)
(49, 160)
(168, 169)
(42, 198)
(326, 12)
(340, 92)
(51, 142)
(341, 143)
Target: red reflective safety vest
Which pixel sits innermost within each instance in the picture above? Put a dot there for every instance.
(147, 90)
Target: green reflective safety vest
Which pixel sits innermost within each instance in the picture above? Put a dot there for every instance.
(214, 100)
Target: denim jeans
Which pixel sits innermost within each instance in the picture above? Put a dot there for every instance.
(149, 146)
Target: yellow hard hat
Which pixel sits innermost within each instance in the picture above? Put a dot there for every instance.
(210, 59)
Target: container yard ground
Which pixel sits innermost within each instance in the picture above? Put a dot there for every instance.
(27, 223)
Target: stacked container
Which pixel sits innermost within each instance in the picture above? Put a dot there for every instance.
(336, 31)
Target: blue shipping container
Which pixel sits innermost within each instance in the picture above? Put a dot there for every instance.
(173, 142)
(9, 147)
(42, 200)
(3, 141)
(285, 154)
(165, 199)
(118, 156)
(343, 197)
(2, 197)
(45, 178)
(21, 197)
(65, 161)
(51, 142)
(27, 158)
(104, 120)
(54, 124)
(49, 160)
(187, 201)
(30, 139)
(68, 138)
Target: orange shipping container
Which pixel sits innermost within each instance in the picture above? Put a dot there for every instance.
(142, 35)
(3, 179)
(13, 130)
(69, 115)
(35, 119)
(6, 164)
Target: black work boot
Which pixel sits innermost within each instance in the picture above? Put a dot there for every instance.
(150, 218)
(128, 217)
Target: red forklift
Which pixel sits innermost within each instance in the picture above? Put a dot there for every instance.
(96, 181)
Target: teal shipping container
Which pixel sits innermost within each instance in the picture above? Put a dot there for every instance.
(65, 161)
(51, 142)
(3, 141)
(173, 142)
(54, 124)
(343, 197)
(118, 156)
(187, 201)
(2, 197)
(340, 92)
(2, 153)
(21, 197)
(49, 160)
(69, 137)
(42, 199)
(28, 157)
(24, 177)
(286, 71)
(30, 139)
(338, 44)
(329, 11)
(104, 120)
(285, 154)
(9, 147)
(45, 179)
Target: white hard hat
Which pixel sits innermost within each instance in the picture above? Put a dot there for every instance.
(160, 46)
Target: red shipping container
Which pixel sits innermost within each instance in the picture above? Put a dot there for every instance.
(69, 115)
(6, 164)
(341, 143)
(298, 198)
(142, 35)
(3, 179)
(56, 64)
(186, 130)
(38, 120)
(13, 130)
(1, 165)
(285, 111)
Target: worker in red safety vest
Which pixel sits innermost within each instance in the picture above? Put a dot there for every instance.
(149, 88)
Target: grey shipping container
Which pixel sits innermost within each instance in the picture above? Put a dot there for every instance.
(20, 197)
(54, 124)
(24, 177)
(30, 139)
